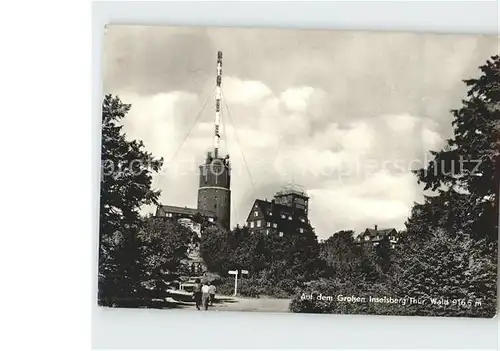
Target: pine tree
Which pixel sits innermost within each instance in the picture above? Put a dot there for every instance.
(126, 178)
(470, 162)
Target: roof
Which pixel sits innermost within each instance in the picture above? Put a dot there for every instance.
(374, 232)
(162, 209)
(272, 213)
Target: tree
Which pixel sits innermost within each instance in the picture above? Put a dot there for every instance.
(467, 169)
(165, 244)
(127, 172)
(450, 274)
(126, 178)
(341, 255)
(216, 247)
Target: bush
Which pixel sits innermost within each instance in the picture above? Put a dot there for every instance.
(322, 297)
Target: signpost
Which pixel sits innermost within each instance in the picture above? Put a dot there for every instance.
(235, 273)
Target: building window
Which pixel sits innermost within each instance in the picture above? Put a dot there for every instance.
(268, 224)
(258, 223)
(302, 220)
(270, 213)
(251, 224)
(301, 230)
(289, 218)
(275, 225)
(281, 234)
(210, 219)
(283, 216)
(267, 231)
(367, 237)
(255, 214)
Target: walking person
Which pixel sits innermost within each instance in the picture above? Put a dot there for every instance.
(197, 293)
(211, 291)
(205, 291)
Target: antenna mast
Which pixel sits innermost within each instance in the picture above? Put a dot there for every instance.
(217, 104)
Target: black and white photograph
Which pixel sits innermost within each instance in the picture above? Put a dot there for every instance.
(299, 171)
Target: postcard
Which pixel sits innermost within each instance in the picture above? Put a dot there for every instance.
(299, 171)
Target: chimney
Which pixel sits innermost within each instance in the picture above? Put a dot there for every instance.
(375, 227)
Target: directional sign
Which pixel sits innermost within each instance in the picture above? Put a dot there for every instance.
(244, 271)
(232, 272)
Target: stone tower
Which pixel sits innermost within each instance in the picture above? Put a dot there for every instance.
(214, 192)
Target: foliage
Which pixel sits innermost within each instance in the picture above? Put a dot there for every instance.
(466, 170)
(127, 171)
(126, 177)
(452, 268)
(164, 245)
(277, 264)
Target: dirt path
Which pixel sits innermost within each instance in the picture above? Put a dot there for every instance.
(231, 303)
(264, 304)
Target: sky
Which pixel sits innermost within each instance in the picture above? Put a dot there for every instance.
(346, 115)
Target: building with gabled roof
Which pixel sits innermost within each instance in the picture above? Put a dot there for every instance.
(287, 213)
(375, 236)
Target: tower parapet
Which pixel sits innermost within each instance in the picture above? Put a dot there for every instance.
(293, 196)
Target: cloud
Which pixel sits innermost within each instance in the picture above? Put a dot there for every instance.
(297, 99)
(239, 91)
